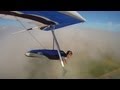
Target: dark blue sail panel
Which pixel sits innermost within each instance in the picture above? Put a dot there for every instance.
(60, 18)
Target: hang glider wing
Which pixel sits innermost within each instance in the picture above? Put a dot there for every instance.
(58, 18)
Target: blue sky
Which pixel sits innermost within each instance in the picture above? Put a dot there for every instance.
(104, 20)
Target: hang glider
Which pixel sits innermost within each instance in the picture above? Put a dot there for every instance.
(49, 21)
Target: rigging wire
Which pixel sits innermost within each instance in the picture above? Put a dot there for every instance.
(29, 32)
(36, 39)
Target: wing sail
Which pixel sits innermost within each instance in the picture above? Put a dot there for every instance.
(58, 18)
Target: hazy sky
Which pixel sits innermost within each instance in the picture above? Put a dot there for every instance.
(105, 20)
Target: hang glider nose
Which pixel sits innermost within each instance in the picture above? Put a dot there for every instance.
(74, 14)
